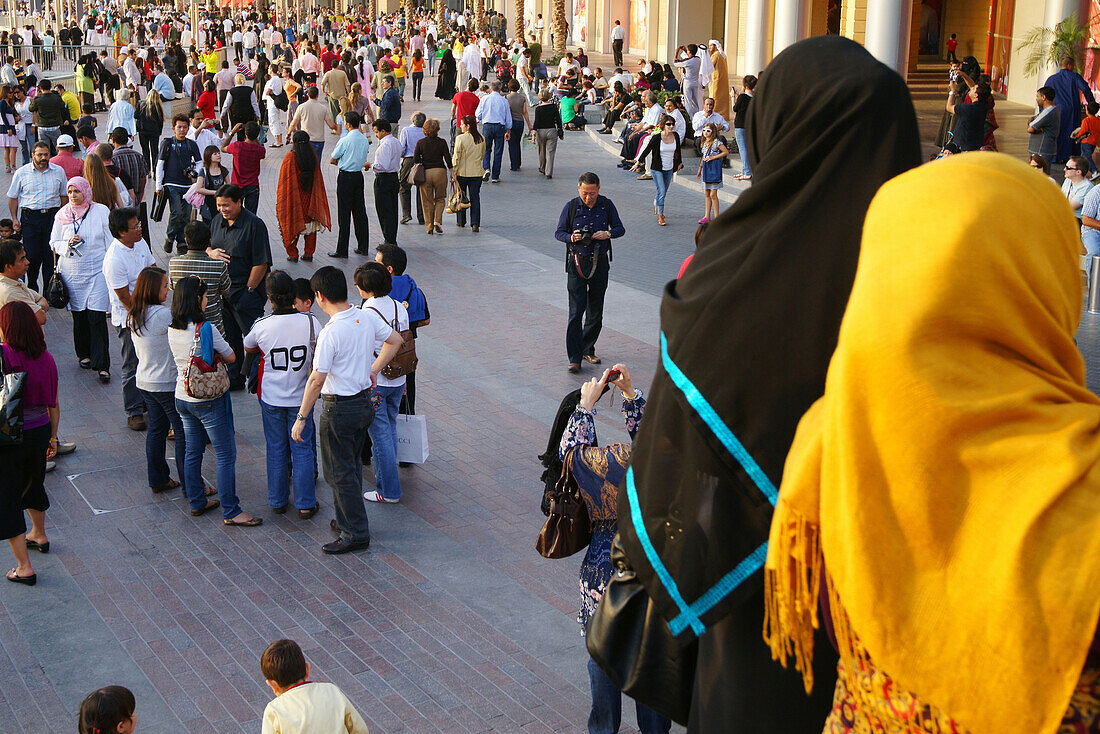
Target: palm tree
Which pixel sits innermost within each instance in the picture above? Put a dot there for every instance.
(518, 31)
(440, 17)
(479, 17)
(1046, 47)
(408, 19)
(558, 26)
(373, 7)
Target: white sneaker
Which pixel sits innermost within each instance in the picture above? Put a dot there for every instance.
(377, 497)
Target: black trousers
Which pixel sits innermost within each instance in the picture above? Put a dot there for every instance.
(386, 188)
(406, 192)
(150, 145)
(353, 208)
(585, 305)
(617, 50)
(90, 339)
(36, 228)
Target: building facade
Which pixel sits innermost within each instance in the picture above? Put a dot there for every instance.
(905, 34)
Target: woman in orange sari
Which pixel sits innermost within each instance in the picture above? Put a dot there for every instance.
(301, 205)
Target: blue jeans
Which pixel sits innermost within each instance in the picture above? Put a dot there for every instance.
(1087, 151)
(216, 416)
(318, 148)
(383, 436)
(607, 707)
(161, 407)
(663, 179)
(282, 453)
(514, 154)
(494, 145)
(742, 150)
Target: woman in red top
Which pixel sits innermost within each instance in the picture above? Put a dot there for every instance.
(208, 102)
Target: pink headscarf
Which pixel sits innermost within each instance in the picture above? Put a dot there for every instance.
(72, 211)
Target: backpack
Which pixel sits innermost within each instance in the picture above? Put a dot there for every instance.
(405, 360)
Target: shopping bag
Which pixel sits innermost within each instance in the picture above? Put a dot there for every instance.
(412, 439)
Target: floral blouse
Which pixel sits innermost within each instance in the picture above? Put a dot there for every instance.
(598, 470)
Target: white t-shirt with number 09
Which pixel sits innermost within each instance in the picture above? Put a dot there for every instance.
(284, 341)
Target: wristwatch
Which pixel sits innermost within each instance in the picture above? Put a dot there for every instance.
(299, 417)
(251, 289)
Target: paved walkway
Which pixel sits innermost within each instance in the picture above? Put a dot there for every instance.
(450, 622)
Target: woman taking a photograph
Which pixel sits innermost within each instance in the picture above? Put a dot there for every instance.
(80, 238)
(202, 418)
(21, 481)
(469, 152)
(598, 471)
(664, 160)
(301, 205)
(156, 376)
(211, 178)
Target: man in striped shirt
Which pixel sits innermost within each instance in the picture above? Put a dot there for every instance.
(195, 261)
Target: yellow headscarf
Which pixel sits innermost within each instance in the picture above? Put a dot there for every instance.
(950, 474)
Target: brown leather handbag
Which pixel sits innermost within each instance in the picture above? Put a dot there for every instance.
(567, 529)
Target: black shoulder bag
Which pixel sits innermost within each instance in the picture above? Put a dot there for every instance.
(12, 387)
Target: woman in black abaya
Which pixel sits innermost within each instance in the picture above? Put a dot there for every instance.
(746, 338)
(448, 71)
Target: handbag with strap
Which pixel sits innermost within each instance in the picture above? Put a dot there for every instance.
(631, 641)
(203, 380)
(57, 293)
(417, 175)
(12, 388)
(567, 529)
(458, 200)
(405, 360)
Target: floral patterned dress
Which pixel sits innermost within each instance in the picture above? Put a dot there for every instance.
(598, 471)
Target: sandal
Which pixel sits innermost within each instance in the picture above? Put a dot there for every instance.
(209, 491)
(85, 364)
(40, 547)
(15, 578)
(104, 376)
(249, 523)
(212, 504)
(170, 484)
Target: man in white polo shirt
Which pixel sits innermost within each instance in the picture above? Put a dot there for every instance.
(127, 255)
(344, 371)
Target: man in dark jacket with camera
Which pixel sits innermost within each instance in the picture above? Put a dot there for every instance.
(175, 173)
(587, 225)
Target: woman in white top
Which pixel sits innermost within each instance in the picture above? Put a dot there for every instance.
(285, 341)
(156, 375)
(276, 118)
(80, 238)
(663, 150)
(121, 113)
(203, 418)
(374, 283)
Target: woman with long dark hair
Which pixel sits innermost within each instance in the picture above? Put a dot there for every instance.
(21, 481)
(448, 71)
(9, 118)
(156, 375)
(211, 178)
(469, 153)
(301, 205)
(203, 418)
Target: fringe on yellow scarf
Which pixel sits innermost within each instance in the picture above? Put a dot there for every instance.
(791, 590)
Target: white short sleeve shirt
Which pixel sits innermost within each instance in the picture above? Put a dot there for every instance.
(346, 349)
(284, 341)
(121, 267)
(389, 309)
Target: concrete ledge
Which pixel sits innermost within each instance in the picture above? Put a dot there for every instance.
(728, 193)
